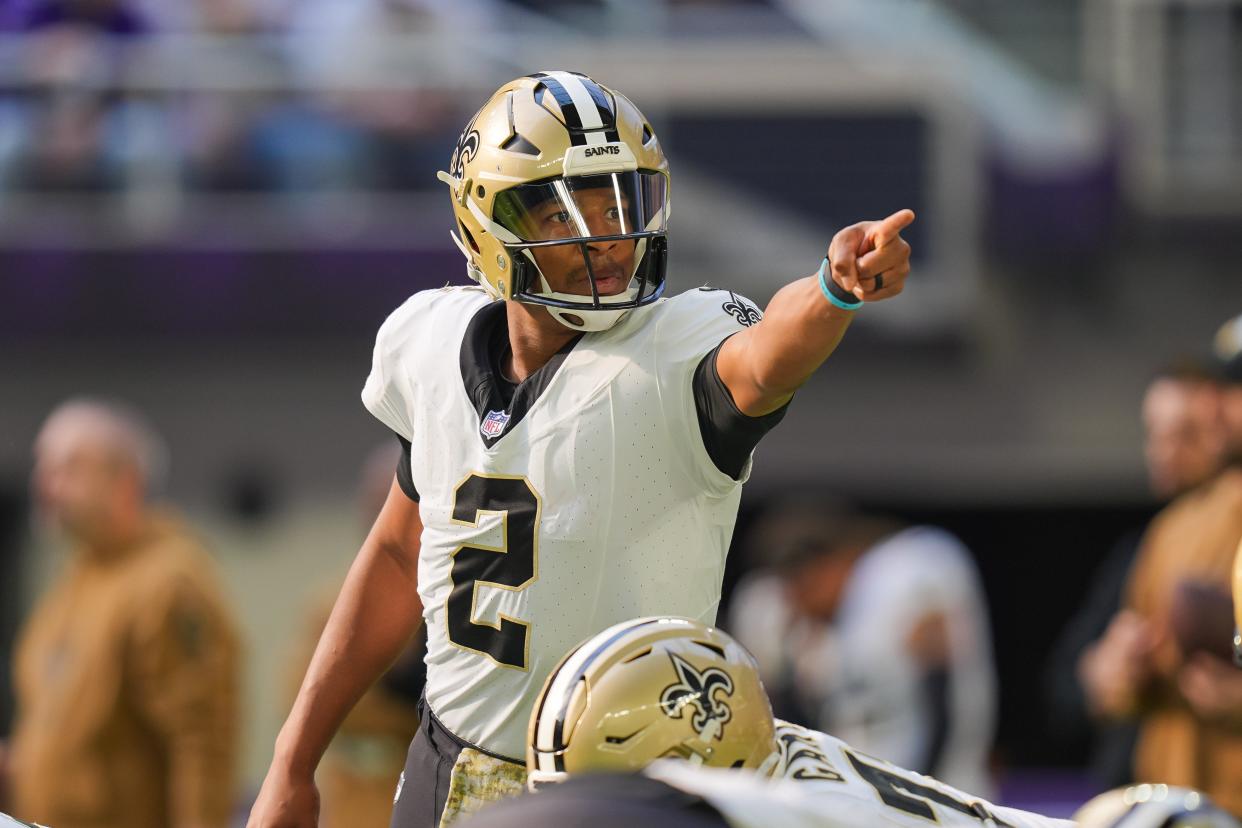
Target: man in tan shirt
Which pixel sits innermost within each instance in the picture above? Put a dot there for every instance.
(1159, 661)
(126, 673)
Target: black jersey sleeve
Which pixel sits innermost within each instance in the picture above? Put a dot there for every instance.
(404, 478)
(729, 435)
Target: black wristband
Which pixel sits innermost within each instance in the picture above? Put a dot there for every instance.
(836, 294)
(841, 293)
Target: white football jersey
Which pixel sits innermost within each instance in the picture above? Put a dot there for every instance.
(590, 500)
(822, 782)
(878, 703)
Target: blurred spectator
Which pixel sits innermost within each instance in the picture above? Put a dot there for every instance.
(1184, 446)
(223, 129)
(1185, 442)
(877, 634)
(218, 17)
(56, 133)
(369, 56)
(359, 772)
(1163, 661)
(127, 671)
(72, 128)
(116, 18)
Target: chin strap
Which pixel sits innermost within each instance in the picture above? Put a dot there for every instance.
(535, 780)
(584, 319)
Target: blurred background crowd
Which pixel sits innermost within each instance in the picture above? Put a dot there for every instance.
(988, 541)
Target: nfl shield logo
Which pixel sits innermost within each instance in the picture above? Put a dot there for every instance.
(493, 424)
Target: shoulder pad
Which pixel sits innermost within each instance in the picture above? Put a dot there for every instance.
(706, 300)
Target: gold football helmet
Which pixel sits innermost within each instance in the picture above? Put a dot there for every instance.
(1153, 806)
(648, 689)
(555, 159)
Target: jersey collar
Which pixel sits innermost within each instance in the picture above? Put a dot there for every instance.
(482, 347)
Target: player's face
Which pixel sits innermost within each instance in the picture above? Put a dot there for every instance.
(1185, 438)
(564, 266)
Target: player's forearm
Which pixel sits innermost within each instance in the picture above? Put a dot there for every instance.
(374, 616)
(800, 329)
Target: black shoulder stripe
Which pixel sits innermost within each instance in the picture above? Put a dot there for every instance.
(405, 471)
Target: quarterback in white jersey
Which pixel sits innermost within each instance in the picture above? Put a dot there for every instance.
(589, 504)
(672, 687)
(575, 442)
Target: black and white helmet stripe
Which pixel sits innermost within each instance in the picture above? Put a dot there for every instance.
(587, 111)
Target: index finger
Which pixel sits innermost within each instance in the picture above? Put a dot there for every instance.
(891, 227)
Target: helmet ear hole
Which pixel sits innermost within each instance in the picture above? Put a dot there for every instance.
(469, 237)
(707, 645)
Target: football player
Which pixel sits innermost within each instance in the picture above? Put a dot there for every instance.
(665, 688)
(574, 443)
(725, 799)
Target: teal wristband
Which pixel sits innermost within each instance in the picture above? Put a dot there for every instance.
(836, 296)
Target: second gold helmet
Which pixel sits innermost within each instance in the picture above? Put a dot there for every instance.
(1153, 806)
(648, 689)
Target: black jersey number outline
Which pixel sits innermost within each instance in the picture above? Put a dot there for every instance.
(905, 794)
(799, 747)
(514, 565)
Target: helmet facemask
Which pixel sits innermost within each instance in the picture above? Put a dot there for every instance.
(601, 217)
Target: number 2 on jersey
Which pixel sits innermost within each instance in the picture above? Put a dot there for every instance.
(513, 565)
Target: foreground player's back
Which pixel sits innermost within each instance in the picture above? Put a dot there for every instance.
(676, 794)
(864, 793)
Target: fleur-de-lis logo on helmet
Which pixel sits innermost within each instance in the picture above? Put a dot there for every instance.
(467, 146)
(702, 692)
